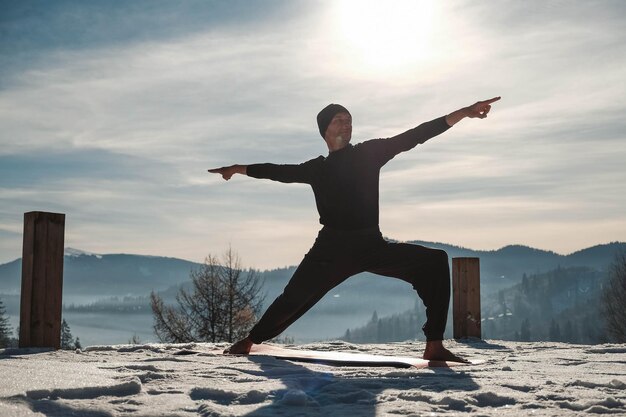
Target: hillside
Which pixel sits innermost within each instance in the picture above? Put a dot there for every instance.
(504, 267)
(100, 289)
(562, 305)
(107, 275)
(123, 274)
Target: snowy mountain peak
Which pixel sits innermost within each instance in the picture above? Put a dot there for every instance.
(77, 252)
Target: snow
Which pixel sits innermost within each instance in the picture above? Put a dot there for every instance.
(74, 253)
(535, 379)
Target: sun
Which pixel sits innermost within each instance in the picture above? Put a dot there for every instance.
(385, 35)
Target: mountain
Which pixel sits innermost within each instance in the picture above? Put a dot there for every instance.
(107, 275)
(561, 305)
(89, 277)
(136, 275)
(504, 267)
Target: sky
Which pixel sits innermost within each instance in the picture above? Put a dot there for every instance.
(112, 112)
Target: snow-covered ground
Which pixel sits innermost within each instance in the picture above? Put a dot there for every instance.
(539, 379)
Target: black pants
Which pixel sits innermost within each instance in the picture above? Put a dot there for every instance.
(337, 255)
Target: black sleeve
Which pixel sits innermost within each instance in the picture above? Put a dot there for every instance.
(383, 150)
(300, 173)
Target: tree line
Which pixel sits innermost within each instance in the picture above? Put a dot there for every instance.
(113, 305)
(574, 305)
(223, 304)
(7, 340)
(394, 328)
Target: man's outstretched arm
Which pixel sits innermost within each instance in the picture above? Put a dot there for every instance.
(478, 109)
(228, 172)
(385, 149)
(287, 173)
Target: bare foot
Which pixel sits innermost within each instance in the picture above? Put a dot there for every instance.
(242, 347)
(436, 352)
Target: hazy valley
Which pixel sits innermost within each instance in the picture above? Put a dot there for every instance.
(526, 294)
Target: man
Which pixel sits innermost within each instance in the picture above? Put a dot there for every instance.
(345, 184)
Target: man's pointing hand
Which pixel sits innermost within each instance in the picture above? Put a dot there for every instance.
(480, 108)
(227, 172)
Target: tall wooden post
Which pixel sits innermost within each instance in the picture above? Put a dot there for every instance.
(42, 280)
(466, 297)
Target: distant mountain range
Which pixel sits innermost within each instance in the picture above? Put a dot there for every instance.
(86, 273)
(504, 267)
(89, 277)
(120, 274)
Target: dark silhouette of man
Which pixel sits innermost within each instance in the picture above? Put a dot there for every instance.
(345, 184)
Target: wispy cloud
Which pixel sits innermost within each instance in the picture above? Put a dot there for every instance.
(116, 128)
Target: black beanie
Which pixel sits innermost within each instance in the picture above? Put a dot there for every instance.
(326, 116)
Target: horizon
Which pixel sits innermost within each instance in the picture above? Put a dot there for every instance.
(70, 251)
(112, 115)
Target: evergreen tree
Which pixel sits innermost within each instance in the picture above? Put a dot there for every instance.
(525, 285)
(5, 329)
(525, 331)
(502, 301)
(67, 340)
(555, 331)
(396, 329)
(77, 344)
(520, 307)
(570, 333)
(347, 337)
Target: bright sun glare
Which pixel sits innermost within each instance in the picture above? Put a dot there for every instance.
(386, 35)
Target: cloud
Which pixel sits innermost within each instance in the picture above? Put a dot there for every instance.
(113, 115)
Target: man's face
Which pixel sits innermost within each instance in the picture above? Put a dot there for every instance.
(339, 130)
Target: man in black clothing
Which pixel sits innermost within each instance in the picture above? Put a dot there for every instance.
(345, 184)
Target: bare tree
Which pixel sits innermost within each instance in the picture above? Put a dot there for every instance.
(221, 306)
(614, 300)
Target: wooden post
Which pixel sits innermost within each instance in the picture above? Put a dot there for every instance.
(466, 297)
(42, 280)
